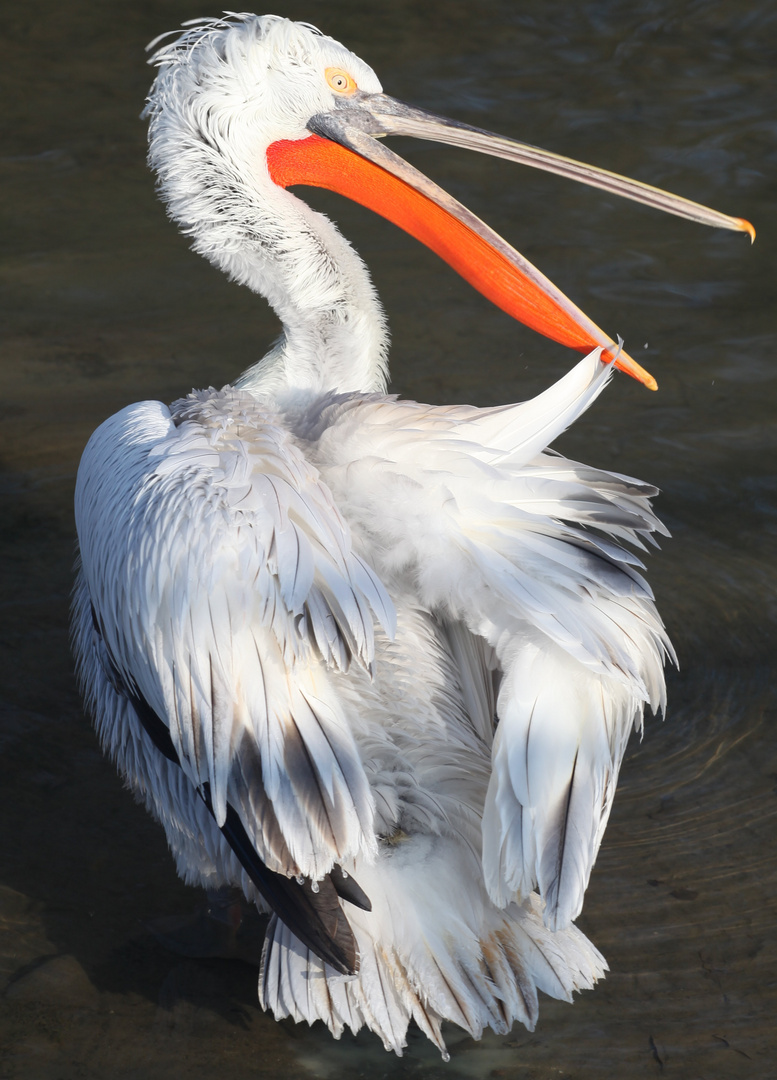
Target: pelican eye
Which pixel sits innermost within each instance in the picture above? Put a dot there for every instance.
(340, 81)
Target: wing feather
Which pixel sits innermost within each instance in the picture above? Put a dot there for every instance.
(523, 550)
(231, 591)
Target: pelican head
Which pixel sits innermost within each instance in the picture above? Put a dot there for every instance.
(282, 104)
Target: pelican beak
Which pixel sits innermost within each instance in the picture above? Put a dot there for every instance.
(343, 155)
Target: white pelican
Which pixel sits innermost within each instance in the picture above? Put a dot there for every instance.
(303, 607)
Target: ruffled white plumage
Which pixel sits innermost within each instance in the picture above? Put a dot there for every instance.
(434, 948)
(255, 639)
(457, 505)
(227, 566)
(326, 597)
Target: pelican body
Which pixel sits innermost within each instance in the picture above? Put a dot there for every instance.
(372, 662)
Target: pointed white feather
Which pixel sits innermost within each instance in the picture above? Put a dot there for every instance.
(239, 549)
(212, 656)
(523, 549)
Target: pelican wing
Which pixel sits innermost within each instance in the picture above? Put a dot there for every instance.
(229, 596)
(523, 549)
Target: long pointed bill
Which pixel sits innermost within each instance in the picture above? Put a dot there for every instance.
(385, 115)
(344, 157)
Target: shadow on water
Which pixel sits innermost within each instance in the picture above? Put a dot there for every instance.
(105, 305)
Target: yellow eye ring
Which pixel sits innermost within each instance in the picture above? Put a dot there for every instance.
(340, 81)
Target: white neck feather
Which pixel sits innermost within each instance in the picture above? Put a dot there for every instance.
(334, 330)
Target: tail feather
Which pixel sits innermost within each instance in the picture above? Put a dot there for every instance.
(482, 969)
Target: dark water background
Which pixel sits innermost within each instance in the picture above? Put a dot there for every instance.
(103, 305)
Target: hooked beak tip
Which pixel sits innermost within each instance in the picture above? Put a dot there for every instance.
(623, 362)
(745, 226)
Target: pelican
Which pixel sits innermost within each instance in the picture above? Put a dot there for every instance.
(370, 662)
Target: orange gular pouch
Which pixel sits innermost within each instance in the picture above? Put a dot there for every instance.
(319, 162)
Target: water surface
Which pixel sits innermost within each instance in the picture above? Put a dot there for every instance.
(104, 304)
